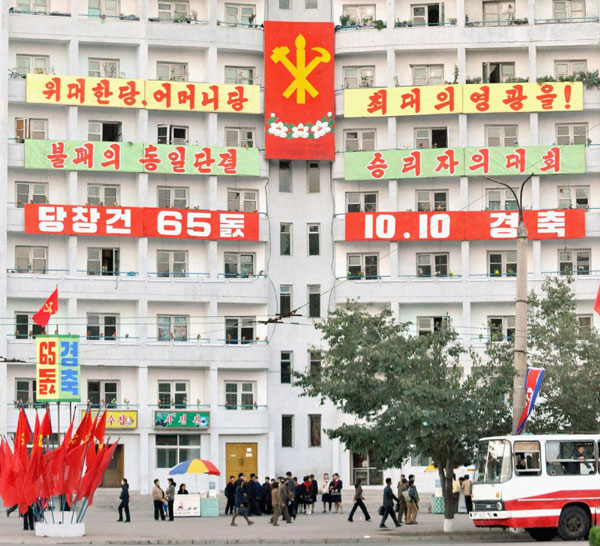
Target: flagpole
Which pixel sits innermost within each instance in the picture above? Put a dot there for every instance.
(74, 507)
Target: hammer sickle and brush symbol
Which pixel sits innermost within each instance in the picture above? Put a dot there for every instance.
(300, 85)
(48, 307)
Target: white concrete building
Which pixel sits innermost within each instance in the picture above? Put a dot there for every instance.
(157, 316)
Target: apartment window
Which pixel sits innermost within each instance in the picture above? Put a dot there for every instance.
(31, 259)
(105, 131)
(242, 200)
(429, 325)
(502, 263)
(172, 394)
(240, 395)
(313, 177)
(574, 262)
(569, 68)
(172, 327)
(239, 330)
(314, 300)
(314, 426)
(360, 14)
(285, 299)
(103, 393)
(311, 4)
(172, 134)
(431, 137)
(172, 449)
(585, 323)
(243, 137)
(313, 239)
(427, 14)
(569, 9)
(102, 326)
(361, 201)
(286, 367)
(502, 199)
(573, 197)
(239, 74)
(285, 4)
(103, 68)
(174, 72)
(103, 194)
(25, 391)
(171, 197)
(358, 76)
(30, 128)
(32, 5)
(285, 239)
(108, 8)
(285, 177)
(31, 192)
(239, 264)
(502, 135)
(498, 12)
(240, 14)
(498, 72)
(359, 140)
(571, 133)
(25, 327)
(362, 266)
(428, 74)
(32, 64)
(171, 263)
(432, 264)
(287, 431)
(103, 261)
(173, 10)
(501, 328)
(315, 363)
(428, 200)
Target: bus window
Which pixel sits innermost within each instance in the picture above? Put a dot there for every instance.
(570, 457)
(527, 458)
(493, 464)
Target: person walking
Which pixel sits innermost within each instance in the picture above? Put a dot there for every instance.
(124, 505)
(157, 497)
(412, 505)
(325, 496)
(182, 490)
(335, 493)
(402, 497)
(359, 502)
(230, 495)
(455, 494)
(298, 490)
(266, 500)
(28, 524)
(276, 505)
(468, 490)
(171, 498)
(388, 504)
(240, 499)
(314, 491)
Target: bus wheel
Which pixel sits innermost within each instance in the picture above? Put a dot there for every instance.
(574, 523)
(542, 533)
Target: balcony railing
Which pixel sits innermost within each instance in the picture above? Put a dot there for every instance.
(496, 22)
(243, 25)
(182, 19)
(34, 12)
(103, 17)
(401, 24)
(566, 20)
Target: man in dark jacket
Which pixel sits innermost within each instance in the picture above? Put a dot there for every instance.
(388, 504)
(254, 495)
(124, 501)
(230, 495)
(265, 500)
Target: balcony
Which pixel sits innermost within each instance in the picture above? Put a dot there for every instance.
(236, 421)
(54, 24)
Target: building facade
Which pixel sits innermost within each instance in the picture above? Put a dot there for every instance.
(179, 326)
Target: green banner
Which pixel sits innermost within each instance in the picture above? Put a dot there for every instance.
(181, 419)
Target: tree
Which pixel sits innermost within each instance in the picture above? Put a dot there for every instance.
(407, 394)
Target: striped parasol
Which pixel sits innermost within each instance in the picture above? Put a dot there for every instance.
(196, 466)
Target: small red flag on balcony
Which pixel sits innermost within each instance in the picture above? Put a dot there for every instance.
(48, 309)
(597, 302)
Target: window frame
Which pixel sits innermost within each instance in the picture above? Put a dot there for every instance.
(243, 323)
(286, 291)
(27, 132)
(182, 451)
(32, 329)
(290, 420)
(313, 233)
(102, 68)
(242, 199)
(313, 177)
(504, 140)
(31, 400)
(432, 202)
(102, 396)
(487, 69)
(362, 203)
(575, 267)
(102, 326)
(286, 367)
(314, 300)
(435, 322)
(173, 393)
(507, 267)
(239, 17)
(174, 324)
(32, 61)
(31, 259)
(102, 197)
(506, 196)
(571, 138)
(168, 136)
(574, 201)
(428, 78)
(171, 271)
(364, 76)
(315, 421)
(239, 395)
(240, 79)
(507, 327)
(32, 196)
(360, 140)
(289, 235)
(172, 198)
(239, 265)
(172, 68)
(285, 167)
(362, 263)
(240, 140)
(116, 259)
(433, 265)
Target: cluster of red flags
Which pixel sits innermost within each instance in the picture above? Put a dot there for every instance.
(75, 468)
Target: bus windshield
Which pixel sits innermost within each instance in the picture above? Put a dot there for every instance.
(493, 463)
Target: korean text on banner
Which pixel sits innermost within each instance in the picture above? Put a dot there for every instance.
(58, 374)
(299, 90)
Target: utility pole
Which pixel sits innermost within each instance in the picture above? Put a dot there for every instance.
(520, 343)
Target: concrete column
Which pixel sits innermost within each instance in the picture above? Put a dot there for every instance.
(212, 72)
(144, 325)
(142, 11)
(213, 262)
(72, 125)
(213, 380)
(143, 194)
(73, 51)
(391, 13)
(531, 11)
(534, 129)
(392, 136)
(212, 14)
(394, 258)
(72, 256)
(144, 424)
(271, 456)
(391, 65)
(464, 191)
(535, 193)
(466, 321)
(215, 332)
(537, 258)
(461, 60)
(465, 259)
(463, 130)
(75, 326)
(143, 71)
(460, 13)
(142, 265)
(532, 59)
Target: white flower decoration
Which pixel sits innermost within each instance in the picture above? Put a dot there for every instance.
(278, 129)
(300, 131)
(329, 114)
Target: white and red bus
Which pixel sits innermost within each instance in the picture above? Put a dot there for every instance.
(546, 484)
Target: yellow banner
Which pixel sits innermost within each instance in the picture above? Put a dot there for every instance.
(118, 419)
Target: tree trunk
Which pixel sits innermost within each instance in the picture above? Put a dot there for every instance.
(446, 475)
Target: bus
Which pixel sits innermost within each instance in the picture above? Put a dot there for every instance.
(546, 484)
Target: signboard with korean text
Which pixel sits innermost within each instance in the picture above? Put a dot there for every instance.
(436, 162)
(463, 225)
(181, 419)
(75, 155)
(299, 90)
(119, 419)
(58, 374)
(141, 222)
(463, 99)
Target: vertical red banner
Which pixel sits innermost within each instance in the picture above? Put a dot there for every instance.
(299, 90)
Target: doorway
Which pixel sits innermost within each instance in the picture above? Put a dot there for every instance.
(241, 458)
(114, 472)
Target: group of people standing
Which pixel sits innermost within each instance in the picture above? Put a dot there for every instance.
(165, 499)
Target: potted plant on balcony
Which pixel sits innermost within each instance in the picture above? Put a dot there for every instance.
(344, 20)
(379, 24)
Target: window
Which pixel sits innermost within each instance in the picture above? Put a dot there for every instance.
(428, 74)
(240, 14)
(428, 325)
(240, 395)
(570, 457)
(242, 137)
(364, 469)
(428, 200)
(314, 427)
(498, 12)
(171, 263)
(239, 330)
(171, 197)
(242, 200)
(502, 135)
(359, 140)
(172, 449)
(573, 197)
(314, 300)
(360, 14)
(315, 363)
(285, 299)
(362, 266)
(527, 458)
(574, 262)
(585, 324)
(174, 72)
(569, 68)
(313, 239)
(501, 328)
(103, 392)
(102, 194)
(285, 4)
(109, 8)
(498, 72)
(431, 137)
(30, 128)
(416, 459)
(285, 177)
(25, 327)
(569, 9)
(358, 76)
(31, 259)
(427, 14)
(32, 5)
(105, 131)
(361, 201)
(239, 264)
(32, 64)
(173, 10)
(502, 199)
(286, 367)
(285, 239)
(502, 263)
(571, 133)
(102, 326)
(313, 177)
(172, 394)
(432, 264)
(287, 431)
(311, 4)
(239, 74)
(173, 327)
(172, 134)
(31, 192)
(25, 392)
(103, 68)
(103, 261)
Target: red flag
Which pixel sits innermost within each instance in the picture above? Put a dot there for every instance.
(32, 481)
(46, 428)
(100, 428)
(22, 438)
(83, 431)
(72, 468)
(105, 461)
(47, 310)
(597, 302)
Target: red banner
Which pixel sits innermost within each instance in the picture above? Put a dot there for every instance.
(299, 90)
(463, 225)
(141, 222)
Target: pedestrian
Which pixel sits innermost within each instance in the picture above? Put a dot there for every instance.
(325, 496)
(267, 503)
(124, 505)
(289, 484)
(28, 524)
(412, 505)
(455, 494)
(388, 504)
(298, 490)
(335, 493)
(240, 500)
(170, 498)
(158, 496)
(402, 497)
(279, 500)
(314, 491)
(230, 495)
(307, 495)
(359, 502)
(11, 509)
(182, 490)
(256, 488)
(467, 488)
